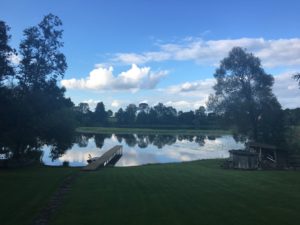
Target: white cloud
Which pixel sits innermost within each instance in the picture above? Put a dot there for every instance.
(115, 104)
(200, 85)
(273, 53)
(287, 91)
(102, 78)
(194, 93)
(186, 105)
(191, 95)
(14, 59)
(92, 103)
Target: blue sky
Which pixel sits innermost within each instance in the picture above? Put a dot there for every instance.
(122, 52)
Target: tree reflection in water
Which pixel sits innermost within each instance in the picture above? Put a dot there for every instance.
(59, 146)
(138, 147)
(100, 138)
(83, 139)
(142, 140)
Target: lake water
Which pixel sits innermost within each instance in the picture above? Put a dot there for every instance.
(146, 149)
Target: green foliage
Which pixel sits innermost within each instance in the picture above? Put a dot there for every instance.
(36, 111)
(292, 117)
(6, 68)
(100, 115)
(243, 96)
(293, 140)
(42, 60)
(161, 115)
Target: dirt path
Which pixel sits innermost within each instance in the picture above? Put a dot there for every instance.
(55, 202)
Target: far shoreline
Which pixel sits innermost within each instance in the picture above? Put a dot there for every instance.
(169, 131)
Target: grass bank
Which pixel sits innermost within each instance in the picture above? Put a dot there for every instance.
(25, 191)
(109, 130)
(197, 192)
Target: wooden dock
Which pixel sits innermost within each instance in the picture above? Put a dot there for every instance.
(105, 159)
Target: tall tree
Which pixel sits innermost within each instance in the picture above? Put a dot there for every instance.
(100, 115)
(42, 60)
(243, 94)
(200, 116)
(6, 100)
(130, 113)
(6, 52)
(41, 112)
(120, 116)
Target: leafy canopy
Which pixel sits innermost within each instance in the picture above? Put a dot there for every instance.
(243, 95)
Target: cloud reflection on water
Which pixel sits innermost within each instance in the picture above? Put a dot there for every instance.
(147, 149)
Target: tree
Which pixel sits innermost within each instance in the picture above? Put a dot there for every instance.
(243, 94)
(165, 115)
(42, 60)
(200, 116)
(120, 116)
(39, 112)
(6, 69)
(100, 115)
(186, 118)
(83, 114)
(130, 113)
(142, 117)
(109, 113)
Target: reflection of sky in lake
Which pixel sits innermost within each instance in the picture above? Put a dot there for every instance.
(180, 150)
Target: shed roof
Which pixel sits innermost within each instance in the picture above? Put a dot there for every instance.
(261, 145)
(242, 152)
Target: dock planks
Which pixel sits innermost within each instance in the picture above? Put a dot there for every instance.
(105, 158)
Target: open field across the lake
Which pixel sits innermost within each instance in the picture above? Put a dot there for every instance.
(115, 130)
(198, 192)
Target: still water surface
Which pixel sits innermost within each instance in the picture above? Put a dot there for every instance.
(146, 149)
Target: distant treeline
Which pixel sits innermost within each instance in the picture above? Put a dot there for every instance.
(160, 116)
(144, 115)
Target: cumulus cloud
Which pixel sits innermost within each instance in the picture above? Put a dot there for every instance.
(273, 53)
(102, 78)
(200, 85)
(287, 90)
(191, 95)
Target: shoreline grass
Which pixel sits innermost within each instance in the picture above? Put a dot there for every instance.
(122, 130)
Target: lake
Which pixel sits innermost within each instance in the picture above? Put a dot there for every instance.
(145, 149)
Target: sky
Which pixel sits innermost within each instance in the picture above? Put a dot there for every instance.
(133, 51)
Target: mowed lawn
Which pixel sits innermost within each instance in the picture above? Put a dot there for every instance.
(24, 191)
(197, 192)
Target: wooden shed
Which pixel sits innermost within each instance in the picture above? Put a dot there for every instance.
(267, 154)
(243, 159)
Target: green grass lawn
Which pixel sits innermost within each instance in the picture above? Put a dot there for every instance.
(24, 191)
(197, 192)
(110, 130)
